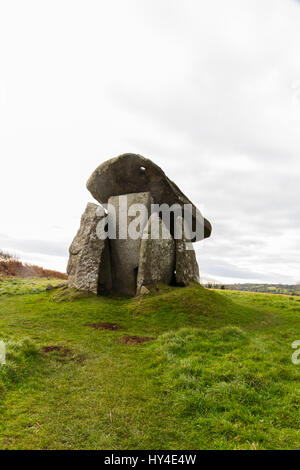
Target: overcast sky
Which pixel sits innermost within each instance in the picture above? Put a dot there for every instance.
(207, 89)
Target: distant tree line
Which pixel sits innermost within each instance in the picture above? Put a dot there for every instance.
(286, 289)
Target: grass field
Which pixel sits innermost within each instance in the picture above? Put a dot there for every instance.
(218, 374)
(28, 285)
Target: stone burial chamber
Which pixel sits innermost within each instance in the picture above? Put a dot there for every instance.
(125, 242)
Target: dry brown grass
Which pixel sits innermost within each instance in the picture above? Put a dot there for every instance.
(11, 266)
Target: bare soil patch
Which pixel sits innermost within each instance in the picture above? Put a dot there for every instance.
(63, 349)
(105, 326)
(135, 339)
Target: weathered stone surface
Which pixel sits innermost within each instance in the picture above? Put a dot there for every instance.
(61, 284)
(125, 252)
(144, 291)
(131, 173)
(187, 269)
(157, 254)
(57, 286)
(89, 267)
(50, 287)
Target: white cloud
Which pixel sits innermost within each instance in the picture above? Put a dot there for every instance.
(208, 90)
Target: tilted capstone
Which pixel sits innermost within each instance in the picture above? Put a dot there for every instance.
(132, 173)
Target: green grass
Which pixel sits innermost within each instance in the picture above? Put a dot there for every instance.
(217, 376)
(28, 285)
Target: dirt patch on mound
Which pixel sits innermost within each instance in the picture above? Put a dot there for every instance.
(134, 339)
(105, 326)
(63, 349)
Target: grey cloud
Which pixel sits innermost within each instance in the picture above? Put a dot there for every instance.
(34, 246)
(226, 269)
(205, 89)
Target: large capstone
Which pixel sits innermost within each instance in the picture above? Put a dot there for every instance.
(131, 214)
(131, 173)
(157, 254)
(187, 269)
(89, 261)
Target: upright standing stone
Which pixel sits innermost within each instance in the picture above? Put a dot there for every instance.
(157, 254)
(89, 264)
(125, 249)
(187, 269)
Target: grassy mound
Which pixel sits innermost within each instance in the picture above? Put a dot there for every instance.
(28, 285)
(217, 373)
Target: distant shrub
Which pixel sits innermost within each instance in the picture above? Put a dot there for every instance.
(11, 266)
(4, 256)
